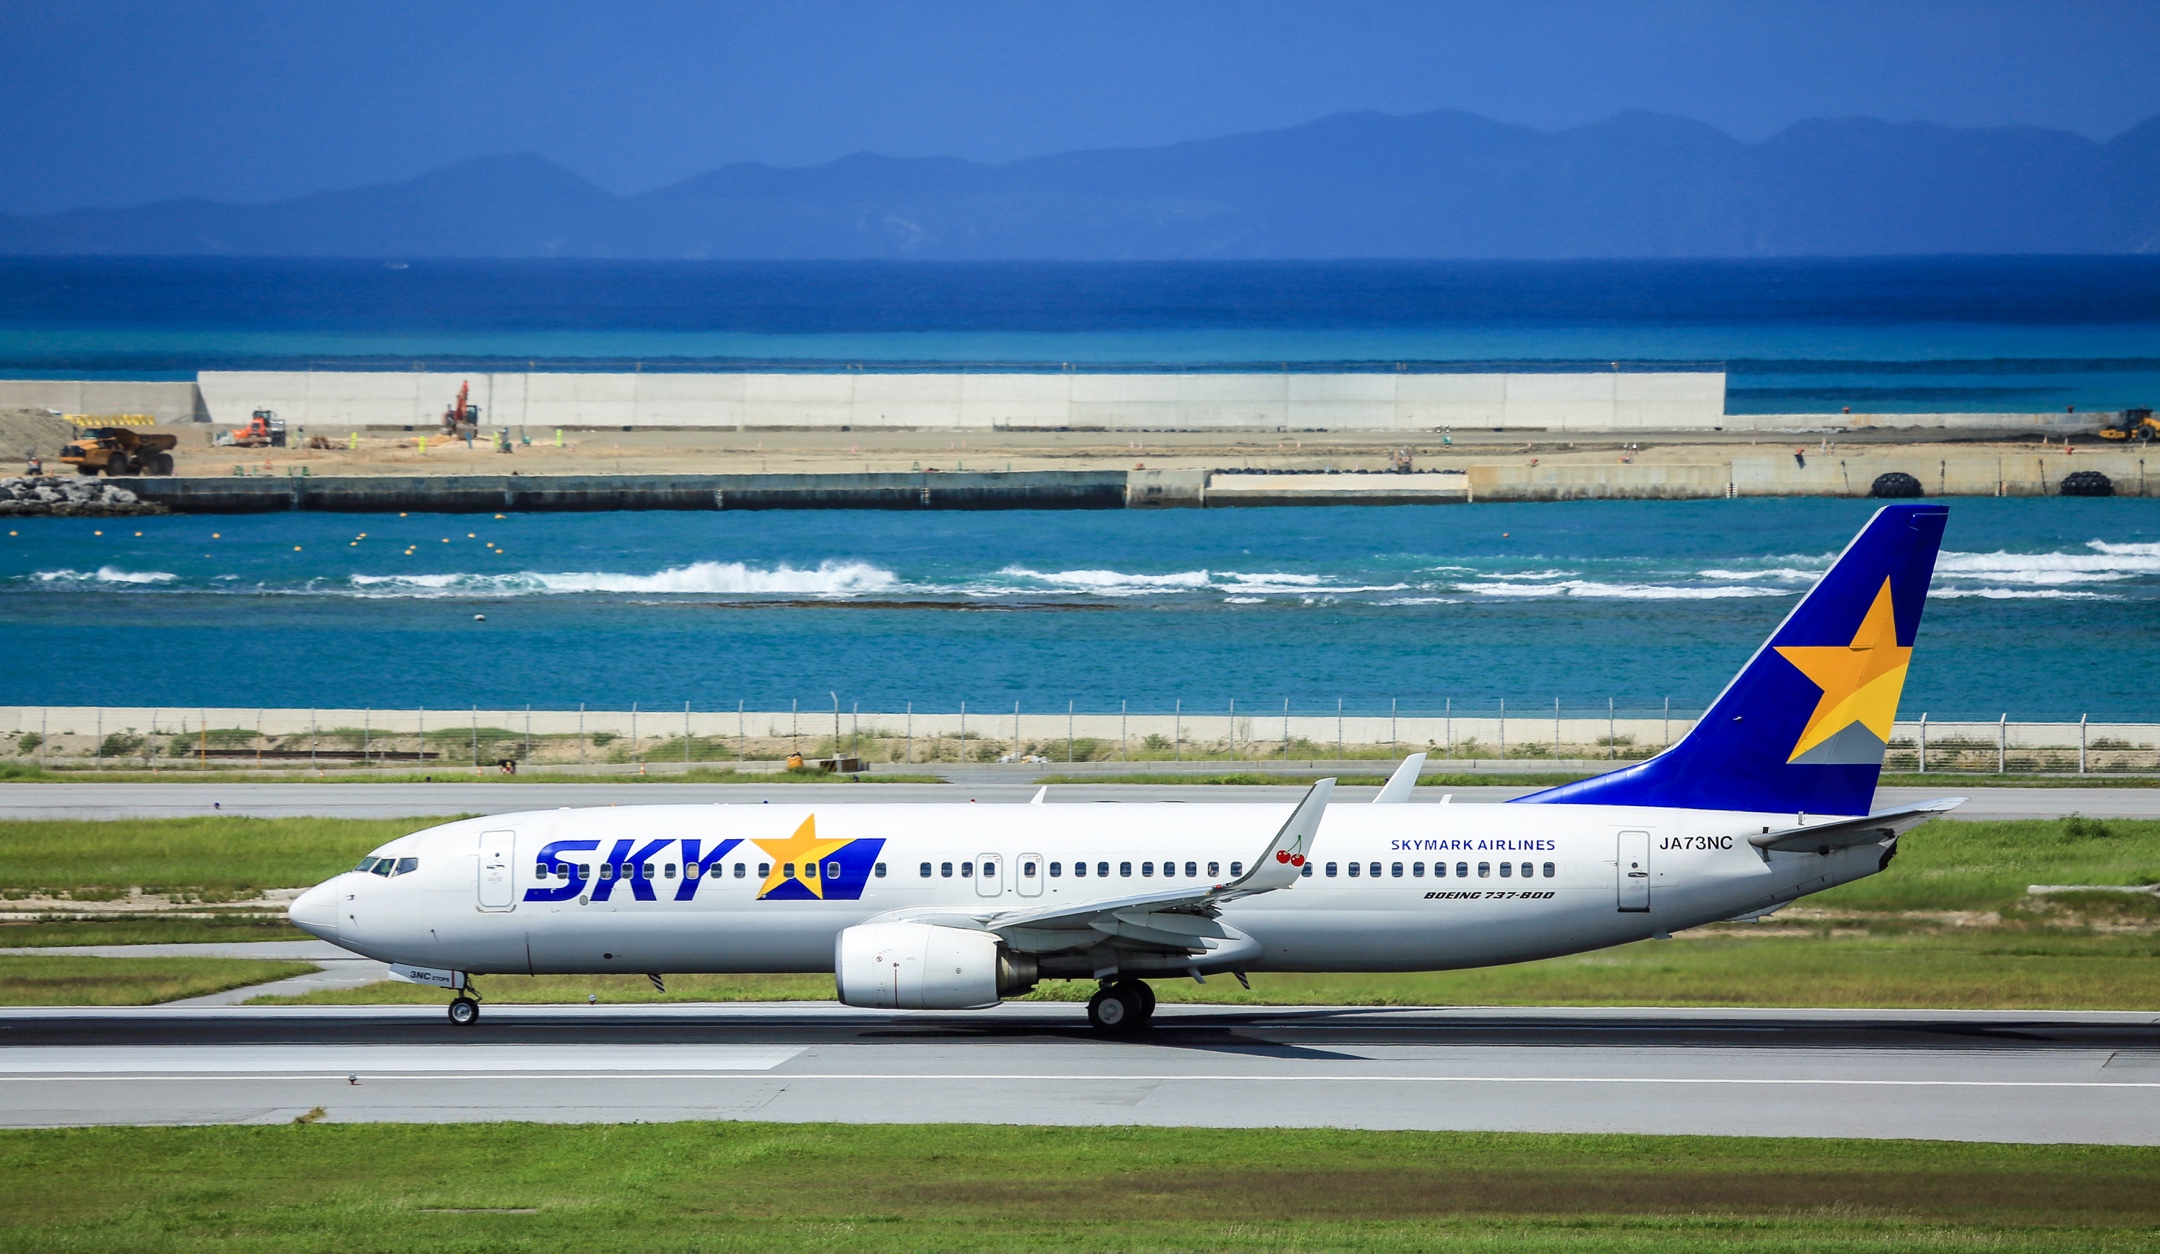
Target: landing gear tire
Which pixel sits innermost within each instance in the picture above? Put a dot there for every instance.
(1119, 1008)
(464, 1012)
(1145, 992)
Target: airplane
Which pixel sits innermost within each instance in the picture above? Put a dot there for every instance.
(958, 906)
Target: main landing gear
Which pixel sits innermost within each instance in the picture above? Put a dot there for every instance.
(1121, 1005)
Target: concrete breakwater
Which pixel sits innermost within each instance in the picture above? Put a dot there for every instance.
(1937, 471)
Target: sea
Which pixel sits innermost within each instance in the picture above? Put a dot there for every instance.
(2045, 608)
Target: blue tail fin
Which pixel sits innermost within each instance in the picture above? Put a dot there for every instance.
(1803, 727)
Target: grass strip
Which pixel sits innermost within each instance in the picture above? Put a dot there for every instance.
(145, 931)
(218, 857)
(64, 980)
(30, 773)
(1979, 969)
(706, 1186)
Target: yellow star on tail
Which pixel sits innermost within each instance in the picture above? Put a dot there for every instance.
(1860, 682)
(804, 851)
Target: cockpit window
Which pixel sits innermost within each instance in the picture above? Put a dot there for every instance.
(366, 864)
(384, 866)
(406, 866)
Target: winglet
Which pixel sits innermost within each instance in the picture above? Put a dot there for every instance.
(1283, 861)
(1397, 789)
(1041, 794)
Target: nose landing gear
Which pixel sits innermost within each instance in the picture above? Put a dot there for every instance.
(1122, 1005)
(465, 1010)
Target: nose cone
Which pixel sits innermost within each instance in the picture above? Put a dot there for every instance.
(315, 911)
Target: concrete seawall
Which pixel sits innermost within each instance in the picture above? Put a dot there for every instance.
(1939, 472)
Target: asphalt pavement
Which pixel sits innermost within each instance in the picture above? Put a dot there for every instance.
(1987, 1076)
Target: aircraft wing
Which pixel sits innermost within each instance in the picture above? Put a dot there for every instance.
(1174, 918)
(1844, 833)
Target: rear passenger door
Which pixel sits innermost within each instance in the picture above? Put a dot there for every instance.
(1632, 871)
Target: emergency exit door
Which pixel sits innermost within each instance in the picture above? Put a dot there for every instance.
(1632, 868)
(989, 875)
(497, 870)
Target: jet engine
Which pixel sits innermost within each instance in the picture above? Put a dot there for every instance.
(922, 966)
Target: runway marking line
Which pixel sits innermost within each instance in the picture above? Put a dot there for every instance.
(1132, 1078)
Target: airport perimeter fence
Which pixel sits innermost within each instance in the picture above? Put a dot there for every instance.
(1460, 736)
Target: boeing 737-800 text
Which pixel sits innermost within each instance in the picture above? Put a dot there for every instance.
(950, 907)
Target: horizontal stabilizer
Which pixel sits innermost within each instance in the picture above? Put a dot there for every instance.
(1845, 833)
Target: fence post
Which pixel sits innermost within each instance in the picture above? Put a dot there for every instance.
(1233, 729)
(314, 741)
(911, 732)
(1503, 729)
(2002, 743)
(686, 735)
(475, 736)
(367, 718)
(1016, 731)
(1668, 722)
(635, 755)
(581, 733)
(794, 718)
(419, 720)
(1286, 729)
(101, 740)
(1612, 733)
(1338, 730)
(1177, 729)
(259, 737)
(835, 722)
(1448, 731)
(2081, 743)
(1923, 742)
(963, 731)
(855, 730)
(1068, 732)
(1124, 737)
(742, 733)
(1556, 727)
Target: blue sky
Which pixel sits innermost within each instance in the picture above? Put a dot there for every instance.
(116, 102)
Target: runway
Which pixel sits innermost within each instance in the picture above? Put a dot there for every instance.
(384, 801)
(1986, 1076)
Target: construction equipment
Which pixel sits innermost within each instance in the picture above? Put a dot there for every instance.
(2133, 424)
(462, 420)
(264, 430)
(121, 451)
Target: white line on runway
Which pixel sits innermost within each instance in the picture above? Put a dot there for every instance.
(554, 1073)
(34, 1061)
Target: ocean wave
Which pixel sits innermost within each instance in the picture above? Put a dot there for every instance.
(2124, 550)
(830, 578)
(105, 574)
(1774, 572)
(1620, 591)
(1118, 583)
(1111, 582)
(2017, 594)
(2052, 568)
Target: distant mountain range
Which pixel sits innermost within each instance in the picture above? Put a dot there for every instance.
(1434, 185)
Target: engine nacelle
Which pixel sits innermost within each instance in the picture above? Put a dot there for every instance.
(921, 966)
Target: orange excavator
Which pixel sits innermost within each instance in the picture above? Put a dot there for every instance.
(462, 420)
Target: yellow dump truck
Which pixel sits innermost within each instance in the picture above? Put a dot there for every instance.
(121, 451)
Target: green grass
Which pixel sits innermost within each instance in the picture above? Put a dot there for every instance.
(1951, 864)
(219, 857)
(61, 980)
(743, 1186)
(1969, 969)
(154, 930)
(1955, 783)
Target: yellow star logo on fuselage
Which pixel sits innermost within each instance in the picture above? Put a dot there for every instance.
(1860, 681)
(802, 853)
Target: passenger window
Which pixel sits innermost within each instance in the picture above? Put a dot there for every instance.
(1214, 869)
(1147, 869)
(1080, 870)
(1395, 869)
(1462, 870)
(1306, 870)
(541, 871)
(787, 870)
(764, 869)
(1027, 870)
(1236, 869)
(1055, 868)
(739, 870)
(1439, 870)
(607, 870)
(1417, 870)
(1331, 870)
(690, 870)
(1548, 870)
(878, 870)
(832, 870)
(1124, 869)
(926, 870)
(945, 870)
(809, 870)
(1506, 869)
(584, 870)
(668, 870)
(1484, 869)
(1102, 869)
(1192, 870)
(967, 869)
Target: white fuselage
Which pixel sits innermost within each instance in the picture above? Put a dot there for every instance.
(488, 896)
